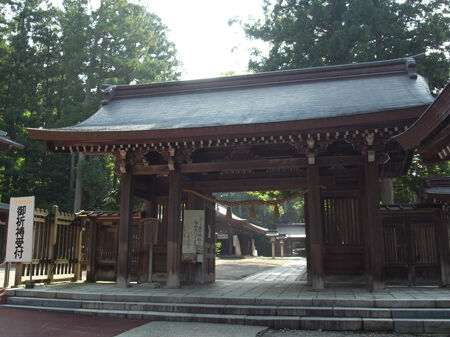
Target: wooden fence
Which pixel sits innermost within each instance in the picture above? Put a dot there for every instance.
(416, 246)
(56, 248)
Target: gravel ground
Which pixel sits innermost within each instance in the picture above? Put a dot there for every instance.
(308, 333)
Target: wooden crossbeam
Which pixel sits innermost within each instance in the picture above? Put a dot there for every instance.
(260, 184)
(246, 165)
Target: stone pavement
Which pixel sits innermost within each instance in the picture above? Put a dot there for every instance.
(285, 282)
(182, 329)
(289, 272)
(237, 268)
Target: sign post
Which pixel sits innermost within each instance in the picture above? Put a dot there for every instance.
(19, 244)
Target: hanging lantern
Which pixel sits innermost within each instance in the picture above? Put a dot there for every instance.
(229, 215)
(276, 211)
(252, 213)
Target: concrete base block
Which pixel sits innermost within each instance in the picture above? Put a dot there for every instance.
(225, 319)
(421, 313)
(252, 310)
(362, 312)
(439, 326)
(284, 322)
(333, 324)
(408, 325)
(378, 324)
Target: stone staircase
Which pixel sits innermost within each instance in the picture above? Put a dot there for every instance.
(405, 316)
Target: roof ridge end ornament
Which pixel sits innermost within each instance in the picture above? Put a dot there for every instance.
(109, 91)
(410, 64)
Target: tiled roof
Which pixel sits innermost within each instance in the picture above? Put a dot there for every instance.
(282, 96)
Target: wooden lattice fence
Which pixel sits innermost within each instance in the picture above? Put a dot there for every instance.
(56, 248)
(415, 246)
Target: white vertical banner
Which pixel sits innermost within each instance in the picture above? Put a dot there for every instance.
(20, 230)
(193, 235)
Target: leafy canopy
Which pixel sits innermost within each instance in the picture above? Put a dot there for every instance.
(53, 62)
(308, 33)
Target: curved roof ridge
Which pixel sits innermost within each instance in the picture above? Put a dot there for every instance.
(405, 65)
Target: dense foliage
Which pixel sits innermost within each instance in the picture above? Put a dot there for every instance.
(290, 212)
(53, 62)
(307, 33)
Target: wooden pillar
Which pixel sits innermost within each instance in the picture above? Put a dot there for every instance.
(125, 230)
(387, 191)
(52, 242)
(314, 226)
(272, 243)
(441, 221)
(174, 231)
(307, 244)
(373, 229)
(91, 267)
(78, 254)
(151, 210)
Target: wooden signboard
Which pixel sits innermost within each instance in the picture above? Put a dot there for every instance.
(20, 230)
(193, 235)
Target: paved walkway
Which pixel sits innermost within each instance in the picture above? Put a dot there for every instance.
(181, 329)
(281, 283)
(232, 268)
(289, 272)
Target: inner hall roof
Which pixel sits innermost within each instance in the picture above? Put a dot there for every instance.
(324, 94)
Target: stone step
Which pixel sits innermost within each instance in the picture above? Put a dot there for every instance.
(316, 302)
(275, 322)
(253, 310)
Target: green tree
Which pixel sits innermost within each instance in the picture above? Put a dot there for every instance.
(408, 187)
(52, 65)
(291, 211)
(308, 33)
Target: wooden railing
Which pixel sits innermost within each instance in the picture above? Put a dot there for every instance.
(56, 248)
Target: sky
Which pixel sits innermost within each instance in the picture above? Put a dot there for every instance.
(207, 46)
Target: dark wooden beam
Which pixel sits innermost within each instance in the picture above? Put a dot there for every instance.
(339, 160)
(125, 234)
(141, 169)
(257, 184)
(315, 227)
(174, 231)
(246, 165)
(243, 165)
(374, 237)
(241, 185)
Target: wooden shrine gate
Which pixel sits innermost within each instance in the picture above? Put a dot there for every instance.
(56, 249)
(416, 245)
